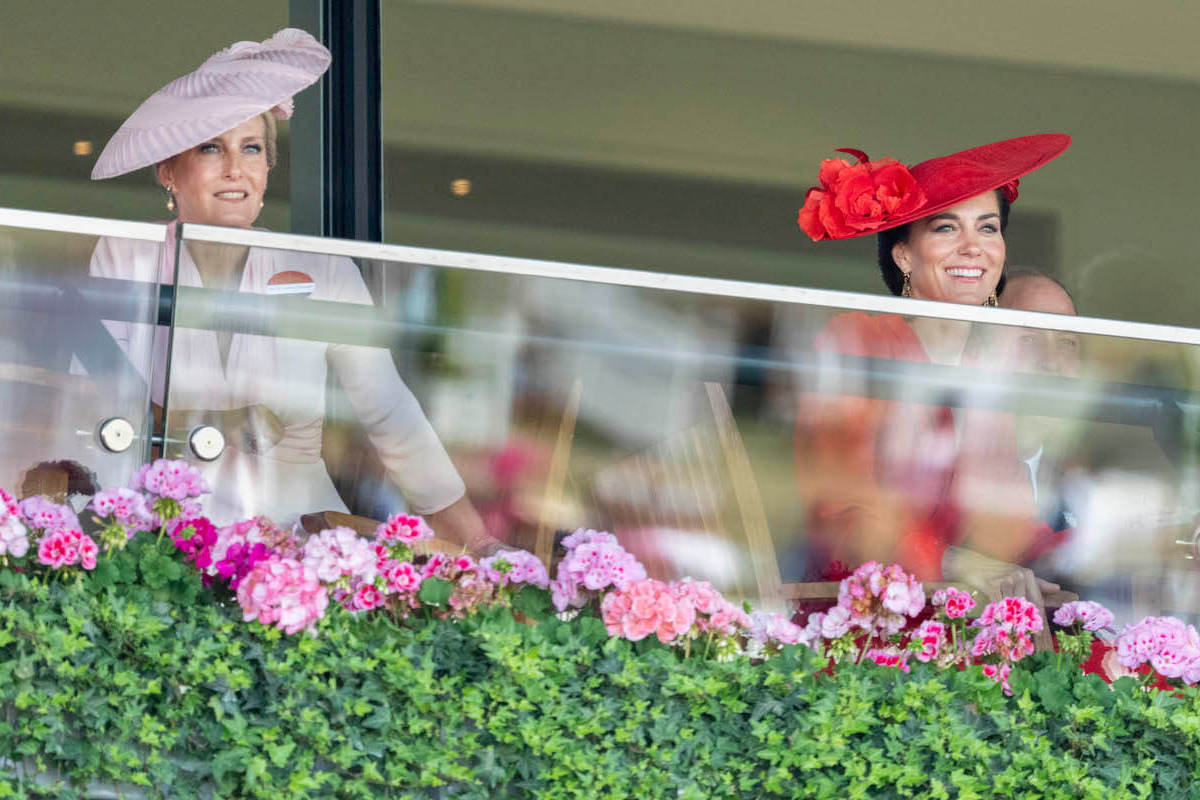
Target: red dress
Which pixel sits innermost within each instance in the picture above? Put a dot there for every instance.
(901, 481)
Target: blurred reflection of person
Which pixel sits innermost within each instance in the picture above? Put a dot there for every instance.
(1042, 443)
(1094, 493)
(1040, 440)
(211, 138)
(905, 479)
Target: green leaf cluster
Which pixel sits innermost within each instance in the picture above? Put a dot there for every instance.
(138, 678)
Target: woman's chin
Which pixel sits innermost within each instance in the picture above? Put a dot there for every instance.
(968, 296)
(225, 220)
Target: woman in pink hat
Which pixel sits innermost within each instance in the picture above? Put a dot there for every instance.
(906, 481)
(210, 137)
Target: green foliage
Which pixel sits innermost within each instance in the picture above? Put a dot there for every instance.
(138, 676)
(434, 592)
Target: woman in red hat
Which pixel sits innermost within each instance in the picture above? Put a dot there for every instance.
(905, 481)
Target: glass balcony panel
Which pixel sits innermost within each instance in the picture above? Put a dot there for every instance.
(722, 431)
(75, 351)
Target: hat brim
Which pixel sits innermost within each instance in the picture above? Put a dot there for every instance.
(232, 87)
(949, 180)
(131, 148)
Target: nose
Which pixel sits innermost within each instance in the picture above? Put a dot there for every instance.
(969, 243)
(233, 164)
(1049, 361)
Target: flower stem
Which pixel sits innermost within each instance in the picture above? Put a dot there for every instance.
(863, 651)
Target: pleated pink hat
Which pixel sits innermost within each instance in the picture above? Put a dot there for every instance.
(234, 85)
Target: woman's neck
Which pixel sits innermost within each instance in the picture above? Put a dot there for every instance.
(943, 339)
(220, 265)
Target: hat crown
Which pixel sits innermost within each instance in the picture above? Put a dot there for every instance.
(942, 176)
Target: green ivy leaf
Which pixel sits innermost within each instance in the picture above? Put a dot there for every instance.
(279, 753)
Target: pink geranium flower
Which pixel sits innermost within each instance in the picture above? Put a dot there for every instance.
(1005, 627)
(999, 673)
(66, 547)
(126, 507)
(954, 602)
(836, 623)
(401, 576)
(1092, 616)
(194, 538)
(8, 505)
(714, 612)
(258, 530)
(55, 551)
(405, 529)
(339, 553)
(173, 479)
(282, 592)
(1170, 646)
(367, 597)
(87, 552)
(766, 627)
(435, 563)
(38, 512)
(931, 635)
(889, 657)
(879, 599)
(647, 607)
(511, 567)
(594, 562)
(14, 538)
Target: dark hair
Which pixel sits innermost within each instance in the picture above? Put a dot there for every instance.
(893, 276)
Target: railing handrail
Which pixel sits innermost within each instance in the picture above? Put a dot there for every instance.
(85, 226)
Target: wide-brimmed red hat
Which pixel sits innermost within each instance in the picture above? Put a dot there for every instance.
(873, 196)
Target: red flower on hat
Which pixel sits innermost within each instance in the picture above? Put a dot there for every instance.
(1010, 190)
(858, 198)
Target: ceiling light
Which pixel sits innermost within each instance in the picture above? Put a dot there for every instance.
(460, 187)
(83, 148)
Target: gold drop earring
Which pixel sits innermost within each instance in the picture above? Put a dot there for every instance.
(906, 288)
(171, 197)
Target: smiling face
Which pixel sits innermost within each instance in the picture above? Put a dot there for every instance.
(956, 255)
(221, 181)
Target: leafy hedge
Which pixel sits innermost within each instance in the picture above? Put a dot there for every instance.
(137, 675)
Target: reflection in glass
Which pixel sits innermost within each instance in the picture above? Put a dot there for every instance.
(62, 373)
(715, 436)
(267, 393)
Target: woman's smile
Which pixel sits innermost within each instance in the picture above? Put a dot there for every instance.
(967, 273)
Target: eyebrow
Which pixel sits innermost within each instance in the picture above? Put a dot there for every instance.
(956, 218)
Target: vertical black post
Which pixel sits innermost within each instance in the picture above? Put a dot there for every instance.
(308, 135)
(353, 203)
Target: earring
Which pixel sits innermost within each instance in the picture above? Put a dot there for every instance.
(906, 288)
(992, 300)
(171, 198)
